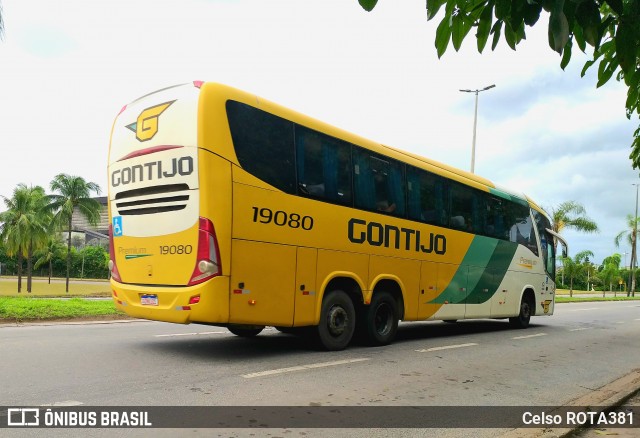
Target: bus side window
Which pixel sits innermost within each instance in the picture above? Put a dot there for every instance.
(461, 208)
(379, 183)
(324, 166)
(263, 144)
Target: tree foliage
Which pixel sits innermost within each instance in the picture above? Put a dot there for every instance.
(71, 193)
(570, 214)
(610, 27)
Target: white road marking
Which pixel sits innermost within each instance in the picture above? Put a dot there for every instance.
(303, 367)
(619, 322)
(580, 310)
(64, 403)
(581, 328)
(530, 336)
(446, 347)
(191, 334)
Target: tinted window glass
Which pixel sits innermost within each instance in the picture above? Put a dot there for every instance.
(378, 182)
(461, 207)
(521, 227)
(546, 243)
(324, 166)
(427, 197)
(263, 144)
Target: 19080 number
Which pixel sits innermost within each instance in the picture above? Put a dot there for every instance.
(282, 218)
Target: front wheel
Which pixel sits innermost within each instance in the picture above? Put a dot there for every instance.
(522, 320)
(380, 321)
(246, 331)
(337, 321)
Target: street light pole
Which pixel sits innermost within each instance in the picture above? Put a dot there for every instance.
(634, 254)
(475, 124)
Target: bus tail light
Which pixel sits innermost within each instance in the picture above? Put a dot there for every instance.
(112, 257)
(208, 258)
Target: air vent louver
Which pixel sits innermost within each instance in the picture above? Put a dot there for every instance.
(154, 199)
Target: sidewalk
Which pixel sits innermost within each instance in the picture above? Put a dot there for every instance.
(622, 392)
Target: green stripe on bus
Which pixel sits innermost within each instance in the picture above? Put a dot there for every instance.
(480, 273)
(508, 197)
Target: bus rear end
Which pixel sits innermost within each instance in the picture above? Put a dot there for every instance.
(165, 257)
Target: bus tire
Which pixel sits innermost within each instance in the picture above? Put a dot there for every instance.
(337, 321)
(245, 331)
(380, 319)
(522, 320)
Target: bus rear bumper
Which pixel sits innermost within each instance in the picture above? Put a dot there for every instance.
(203, 303)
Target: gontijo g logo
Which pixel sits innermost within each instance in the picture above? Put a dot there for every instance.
(147, 124)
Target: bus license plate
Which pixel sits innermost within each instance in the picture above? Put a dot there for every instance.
(149, 300)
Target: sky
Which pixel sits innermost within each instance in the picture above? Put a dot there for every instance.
(68, 68)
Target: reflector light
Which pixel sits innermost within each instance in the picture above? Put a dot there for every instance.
(194, 300)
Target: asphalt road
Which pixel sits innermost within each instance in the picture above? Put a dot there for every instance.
(484, 363)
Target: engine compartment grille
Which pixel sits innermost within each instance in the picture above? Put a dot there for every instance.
(153, 199)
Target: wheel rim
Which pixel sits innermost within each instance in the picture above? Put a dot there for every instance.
(383, 319)
(337, 321)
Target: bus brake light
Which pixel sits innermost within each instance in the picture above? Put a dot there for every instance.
(208, 258)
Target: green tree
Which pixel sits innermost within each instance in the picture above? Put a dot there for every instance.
(630, 235)
(52, 250)
(610, 27)
(38, 228)
(24, 226)
(610, 270)
(574, 267)
(71, 194)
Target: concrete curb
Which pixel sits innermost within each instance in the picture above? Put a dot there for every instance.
(610, 395)
(70, 322)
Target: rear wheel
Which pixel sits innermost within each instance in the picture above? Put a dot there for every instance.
(246, 331)
(380, 319)
(337, 321)
(522, 320)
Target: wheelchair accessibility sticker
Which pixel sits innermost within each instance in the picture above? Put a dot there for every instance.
(117, 226)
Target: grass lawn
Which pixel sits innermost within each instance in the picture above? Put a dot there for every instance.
(41, 288)
(18, 309)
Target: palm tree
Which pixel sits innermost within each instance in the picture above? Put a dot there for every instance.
(574, 267)
(23, 226)
(73, 193)
(52, 250)
(571, 214)
(630, 234)
(610, 270)
(39, 221)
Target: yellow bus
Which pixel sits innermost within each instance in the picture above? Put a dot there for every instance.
(230, 210)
